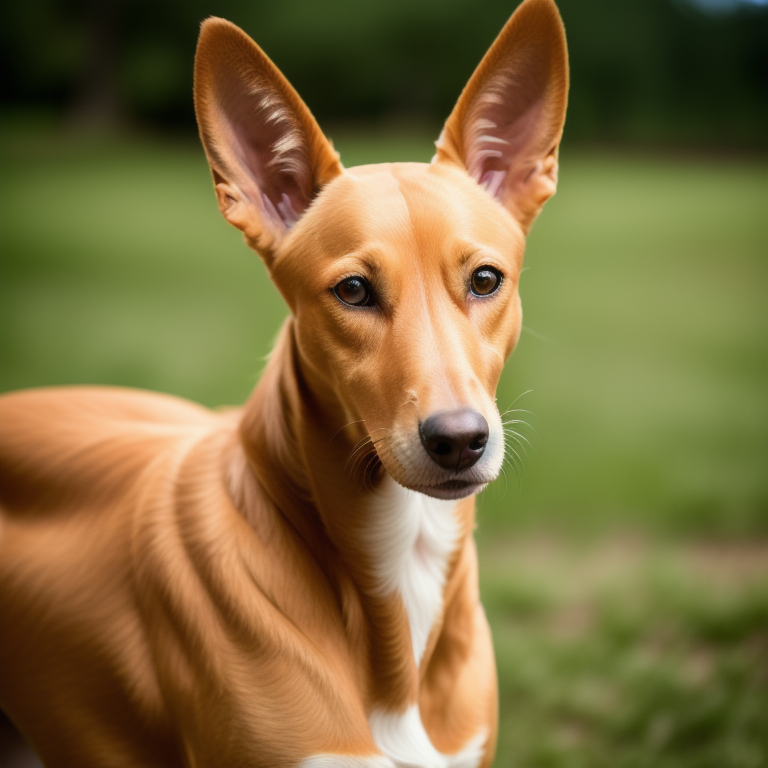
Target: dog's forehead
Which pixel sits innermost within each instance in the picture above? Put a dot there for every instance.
(414, 208)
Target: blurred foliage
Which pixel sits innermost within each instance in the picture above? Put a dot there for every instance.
(642, 70)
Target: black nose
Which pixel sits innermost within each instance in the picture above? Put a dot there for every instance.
(455, 439)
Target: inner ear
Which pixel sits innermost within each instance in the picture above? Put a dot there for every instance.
(267, 146)
(267, 153)
(506, 127)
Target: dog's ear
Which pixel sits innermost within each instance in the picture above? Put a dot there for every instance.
(268, 156)
(506, 126)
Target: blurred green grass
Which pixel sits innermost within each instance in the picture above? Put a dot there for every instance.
(645, 352)
(621, 653)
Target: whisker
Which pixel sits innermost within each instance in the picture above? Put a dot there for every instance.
(506, 482)
(361, 443)
(364, 451)
(357, 450)
(508, 437)
(371, 470)
(363, 456)
(372, 459)
(518, 438)
(512, 436)
(356, 468)
(508, 446)
(509, 449)
(537, 335)
(509, 461)
(522, 394)
(522, 464)
(359, 421)
(523, 423)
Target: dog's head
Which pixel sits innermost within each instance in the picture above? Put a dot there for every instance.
(402, 278)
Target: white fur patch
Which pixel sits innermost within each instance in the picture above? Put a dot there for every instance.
(403, 739)
(410, 538)
(472, 755)
(345, 761)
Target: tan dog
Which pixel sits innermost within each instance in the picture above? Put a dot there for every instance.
(294, 583)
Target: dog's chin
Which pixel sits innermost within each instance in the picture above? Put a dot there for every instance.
(450, 489)
(426, 480)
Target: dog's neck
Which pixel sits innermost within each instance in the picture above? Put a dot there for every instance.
(392, 556)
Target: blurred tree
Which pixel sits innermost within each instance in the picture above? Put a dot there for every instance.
(660, 71)
(98, 97)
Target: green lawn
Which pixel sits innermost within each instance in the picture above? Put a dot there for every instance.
(625, 564)
(625, 653)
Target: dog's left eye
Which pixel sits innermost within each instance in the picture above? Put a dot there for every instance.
(354, 291)
(485, 281)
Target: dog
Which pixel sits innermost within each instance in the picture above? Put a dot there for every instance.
(294, 583)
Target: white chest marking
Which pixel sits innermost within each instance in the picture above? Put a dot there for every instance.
(344, 761)
(410, 538)
(403, 739)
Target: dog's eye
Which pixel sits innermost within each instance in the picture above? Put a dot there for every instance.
(485, 281)
(354, 291)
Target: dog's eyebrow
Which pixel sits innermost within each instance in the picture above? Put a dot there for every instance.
(470, 251)
(366, 262)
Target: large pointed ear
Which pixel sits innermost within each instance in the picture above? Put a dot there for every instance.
(506, 127)
(267, 153)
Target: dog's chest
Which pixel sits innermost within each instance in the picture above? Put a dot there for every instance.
(410, 538)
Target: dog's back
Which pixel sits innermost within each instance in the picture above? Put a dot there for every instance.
(64, 448)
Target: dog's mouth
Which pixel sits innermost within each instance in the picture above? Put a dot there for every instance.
(407, 461)
(451, 489)
(421, 477)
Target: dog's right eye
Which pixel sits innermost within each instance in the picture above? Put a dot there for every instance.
(354, 291)
(485, 281)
